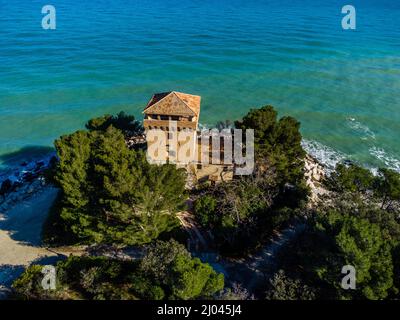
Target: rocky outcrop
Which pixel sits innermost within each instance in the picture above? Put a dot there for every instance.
(315, 174)
(134, 142)
(24, 181)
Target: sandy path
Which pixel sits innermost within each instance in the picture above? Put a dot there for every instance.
(190, 226)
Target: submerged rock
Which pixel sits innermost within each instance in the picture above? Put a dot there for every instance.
(6, 187)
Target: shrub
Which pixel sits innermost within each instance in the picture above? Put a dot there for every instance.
(28, 286)
(351, 178)
(167, 271)
(388, 187)
(183, 277)
(359, 243)
(205, 210)
(284, 288)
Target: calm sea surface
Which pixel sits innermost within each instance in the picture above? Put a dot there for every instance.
(107, 56)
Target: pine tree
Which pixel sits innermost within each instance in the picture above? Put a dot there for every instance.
(361, 244)
(183, 277)
(112, 194)
(277, 143)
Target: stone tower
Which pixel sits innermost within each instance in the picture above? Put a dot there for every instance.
(170, 113)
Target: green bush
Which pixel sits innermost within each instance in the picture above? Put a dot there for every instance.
(388, 187)
(205, 210)
(28, 286)
(284, 288)
(167, 271)
(351, 178)
(330, 242)
(183, 277)
(240, 215)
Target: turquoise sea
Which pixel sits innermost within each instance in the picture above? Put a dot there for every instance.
(107, 56)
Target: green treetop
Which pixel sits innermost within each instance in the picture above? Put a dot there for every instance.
(111, 193)
(277, 143)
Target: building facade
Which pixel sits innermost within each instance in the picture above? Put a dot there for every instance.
(174, 116)
(169, 114)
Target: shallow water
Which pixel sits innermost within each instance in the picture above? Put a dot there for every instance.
(110, 56)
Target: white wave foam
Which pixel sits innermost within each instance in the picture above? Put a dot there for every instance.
(389, 161)
(361, 128)
(324, 154)
(204, 126)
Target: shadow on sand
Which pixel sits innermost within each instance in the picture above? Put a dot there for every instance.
(25, 220)
(52, 260)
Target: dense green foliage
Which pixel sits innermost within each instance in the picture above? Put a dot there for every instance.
(205, 210)
(351, 178)
(277, 143)
(242, 213)
(358, 224)
(388, 187)
(284, 288)
(385, 186)
(234, 212)
(111, 194)
(122, 121)
(28, 285)
(167, 271)
(170, 265)
(361, 244)
(318, 255)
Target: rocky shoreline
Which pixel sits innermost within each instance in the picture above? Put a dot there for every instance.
(23, 181)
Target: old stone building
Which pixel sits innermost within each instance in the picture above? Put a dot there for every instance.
(169, 114)
(172, 106)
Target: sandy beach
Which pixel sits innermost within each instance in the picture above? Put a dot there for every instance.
(20, 242)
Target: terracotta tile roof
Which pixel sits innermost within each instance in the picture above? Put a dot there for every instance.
(156, 97)
(192, 101)
(174, 103)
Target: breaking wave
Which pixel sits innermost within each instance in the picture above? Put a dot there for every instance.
(363, 130)
(329, 157)
(389, 161)
(324, 154)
